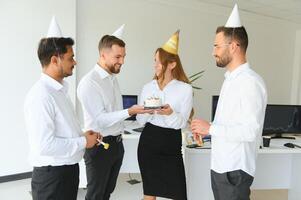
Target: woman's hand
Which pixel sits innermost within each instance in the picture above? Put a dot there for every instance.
(165, 110)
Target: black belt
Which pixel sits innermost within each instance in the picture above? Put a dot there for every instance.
(49, 167)
(111, 138)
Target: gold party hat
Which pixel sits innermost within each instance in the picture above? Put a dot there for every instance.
(171, 46)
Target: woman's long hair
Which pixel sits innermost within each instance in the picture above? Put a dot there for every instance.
(177, 72)
(166, 58)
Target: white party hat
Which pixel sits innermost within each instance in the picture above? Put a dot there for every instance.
(119, 32)
(54, 29)
(234, 19)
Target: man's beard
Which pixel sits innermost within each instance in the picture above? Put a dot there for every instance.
(223, 61)
(114, 69)
(63, 72)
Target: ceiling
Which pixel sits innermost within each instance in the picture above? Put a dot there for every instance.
(288, 10)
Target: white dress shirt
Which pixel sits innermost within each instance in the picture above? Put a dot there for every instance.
(100, 96)
(55, 136)
(237, 126)
(177, 94)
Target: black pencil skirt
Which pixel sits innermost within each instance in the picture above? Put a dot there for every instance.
(161, 163)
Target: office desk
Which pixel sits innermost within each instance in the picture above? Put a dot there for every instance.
(130, 142)
(278, 167)
(130, 161)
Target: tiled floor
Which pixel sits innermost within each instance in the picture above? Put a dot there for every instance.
(19, 190)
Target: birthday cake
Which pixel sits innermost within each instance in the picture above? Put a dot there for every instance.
(152, 102)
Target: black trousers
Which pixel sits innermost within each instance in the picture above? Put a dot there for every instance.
(234, 185)
(55, 182)
(102, 168)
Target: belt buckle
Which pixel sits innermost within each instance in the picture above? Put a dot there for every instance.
(119, 138)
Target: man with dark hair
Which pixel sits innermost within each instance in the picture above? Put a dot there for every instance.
(56, 141)
(108, 41)
(49, 47)
(237, 127)
(238, 34)
(100, 96)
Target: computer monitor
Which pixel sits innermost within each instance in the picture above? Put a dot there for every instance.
(213, 109)
(281, 119)
(128, 101)
(213, 106)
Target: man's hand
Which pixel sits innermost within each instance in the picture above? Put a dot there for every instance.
(196, 137)
(200, 127)
(136, 109)
(166, 110)
(99, 139)
(91, 138)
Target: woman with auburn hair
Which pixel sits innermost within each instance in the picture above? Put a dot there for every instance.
(159, 150)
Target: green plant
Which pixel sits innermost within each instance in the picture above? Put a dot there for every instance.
(195, 77)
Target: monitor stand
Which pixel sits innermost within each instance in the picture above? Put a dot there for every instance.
(279, 136)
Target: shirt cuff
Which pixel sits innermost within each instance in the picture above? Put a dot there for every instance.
(217, 130)
(125, 113)
(211, 129)
(82, 142)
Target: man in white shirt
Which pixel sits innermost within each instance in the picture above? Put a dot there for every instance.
(100, 96)
(237, 126)
(56, 141)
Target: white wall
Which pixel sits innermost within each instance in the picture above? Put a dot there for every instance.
(296, 81)
(149, 23)
(22, 24)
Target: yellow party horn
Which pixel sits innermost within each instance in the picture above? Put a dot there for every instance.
(105, 145)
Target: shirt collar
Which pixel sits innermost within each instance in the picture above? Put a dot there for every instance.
(54, 83)
(231, 75)
(155, 82)
(102, 72)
